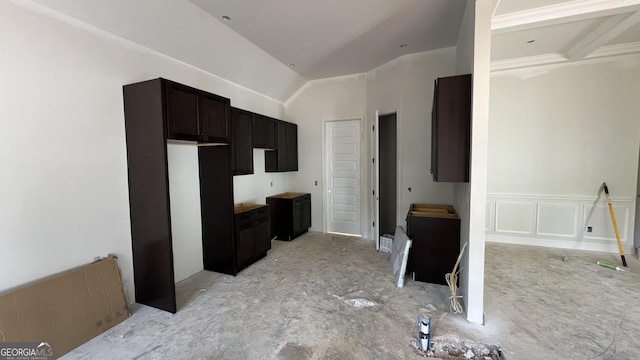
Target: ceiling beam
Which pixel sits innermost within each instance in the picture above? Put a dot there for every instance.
(555, 14)
(607, 31)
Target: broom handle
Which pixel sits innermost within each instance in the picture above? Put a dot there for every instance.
(615, 225)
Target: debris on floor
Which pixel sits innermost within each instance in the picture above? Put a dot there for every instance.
(386, 243)
(358, 299)
(565, 259)
(609, 266)
(424, 332)
(448, 348)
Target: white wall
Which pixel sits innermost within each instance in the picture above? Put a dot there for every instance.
(62, 146)
(319, 101)
(554, 139)
(184, 199)
(256, 187)
(404, 86)
(473, 56)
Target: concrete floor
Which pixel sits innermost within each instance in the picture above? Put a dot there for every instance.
(297, 304)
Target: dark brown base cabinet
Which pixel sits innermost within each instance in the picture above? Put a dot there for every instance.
(451, 129)
(252, 236)
(435, 232)
(155, 111)
(290, 215)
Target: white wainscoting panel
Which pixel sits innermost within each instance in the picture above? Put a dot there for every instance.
(599, 218)
(490, 216)
(514, 217)
(559, 221)
(556, 219)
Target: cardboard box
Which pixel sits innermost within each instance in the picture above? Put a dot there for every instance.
(66, 309)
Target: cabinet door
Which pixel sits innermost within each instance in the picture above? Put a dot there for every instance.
(246, 245)
(297, 219)
(306, 213)
(182, 112)
(451, 129)
(263, 243)
(276, 161)
(242, 128)
(214, 118)
(264, 132)
(292, 147)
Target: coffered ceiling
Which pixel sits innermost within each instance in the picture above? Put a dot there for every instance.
(555, 32)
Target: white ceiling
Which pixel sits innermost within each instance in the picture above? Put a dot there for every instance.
(546, 32)
(339, 37)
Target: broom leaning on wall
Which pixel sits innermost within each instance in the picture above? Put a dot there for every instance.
(615, 225)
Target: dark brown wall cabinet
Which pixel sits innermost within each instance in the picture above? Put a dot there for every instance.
(285, 158)
(154, 111)
(252, 236)
(450, 129)
(435, 231)
(241, 130)
(290, 215)
(264, 132)
(195, 115)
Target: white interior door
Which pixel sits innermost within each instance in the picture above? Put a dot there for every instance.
(343, 177)
(376, 177)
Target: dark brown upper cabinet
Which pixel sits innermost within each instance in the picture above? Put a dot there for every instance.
(451, 129)
(264, 132)
(285, 158)
(241, 130)
(195, 115)
(292, 147)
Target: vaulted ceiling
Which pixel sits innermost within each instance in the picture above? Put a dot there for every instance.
(275, 46)
(321, 39)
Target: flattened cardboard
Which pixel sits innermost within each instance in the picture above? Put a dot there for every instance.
(66, 309)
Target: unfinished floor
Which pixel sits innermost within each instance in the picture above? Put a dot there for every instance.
(293, 304)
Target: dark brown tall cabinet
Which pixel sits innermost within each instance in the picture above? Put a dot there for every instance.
(451, 129)
(155, 111)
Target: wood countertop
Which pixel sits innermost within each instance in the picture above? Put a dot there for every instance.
(246, 207)
(288, 195)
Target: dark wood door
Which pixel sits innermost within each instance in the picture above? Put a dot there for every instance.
(214, 118)
(277, 160)
(242, 128)
(246, 245)
(149, 195)
(297, 219)
(292, 147)
(263, 242)
(306, 212)
(264, 132)
(182, 112)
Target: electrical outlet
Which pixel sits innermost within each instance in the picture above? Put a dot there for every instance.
(316, 182)
(589, 228)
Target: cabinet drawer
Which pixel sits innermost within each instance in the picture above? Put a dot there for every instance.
(261, 213)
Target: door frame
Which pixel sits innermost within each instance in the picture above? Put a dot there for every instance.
(325, 173)
(375, 172)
